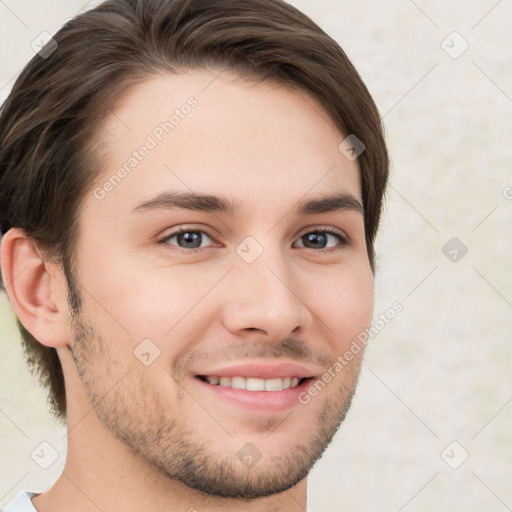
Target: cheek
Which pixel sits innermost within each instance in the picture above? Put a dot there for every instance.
(346, 305)
(150, 301)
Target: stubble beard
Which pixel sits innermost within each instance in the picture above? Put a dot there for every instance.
(173, 448)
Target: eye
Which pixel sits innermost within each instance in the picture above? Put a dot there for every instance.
(319, 238)
(186, 238)
(191, 239)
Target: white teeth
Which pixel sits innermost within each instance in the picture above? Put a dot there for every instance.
(274, 384)
(253, 383)
(238, 383)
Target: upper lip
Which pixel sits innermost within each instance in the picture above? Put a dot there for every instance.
(260, 370)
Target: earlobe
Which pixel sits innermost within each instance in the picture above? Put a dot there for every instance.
(36, 289)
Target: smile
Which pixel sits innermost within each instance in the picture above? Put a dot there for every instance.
(253, 383)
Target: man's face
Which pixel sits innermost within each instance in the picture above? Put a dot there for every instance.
(255, 288)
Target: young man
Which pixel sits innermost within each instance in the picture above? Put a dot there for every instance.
(190, 193)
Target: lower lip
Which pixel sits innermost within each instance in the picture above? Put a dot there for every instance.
(273, 401)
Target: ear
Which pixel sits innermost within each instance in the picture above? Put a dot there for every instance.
(36, 289)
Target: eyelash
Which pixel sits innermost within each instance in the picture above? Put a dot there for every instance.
(344, 241)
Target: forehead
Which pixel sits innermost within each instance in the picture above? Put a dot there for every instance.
(212, 131)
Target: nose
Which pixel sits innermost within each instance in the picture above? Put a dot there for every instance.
(265, 298)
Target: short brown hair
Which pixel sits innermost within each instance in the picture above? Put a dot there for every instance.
(49, 121)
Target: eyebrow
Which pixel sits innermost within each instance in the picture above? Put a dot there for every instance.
(219, 204)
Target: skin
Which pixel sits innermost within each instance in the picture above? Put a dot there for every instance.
(149, 437)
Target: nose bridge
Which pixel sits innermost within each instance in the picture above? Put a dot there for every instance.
(264, 296)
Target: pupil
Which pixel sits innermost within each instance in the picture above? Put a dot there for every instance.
(314, 238)
(190, 237)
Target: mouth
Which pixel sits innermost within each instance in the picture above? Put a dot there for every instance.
(255, 395)
(254, 383)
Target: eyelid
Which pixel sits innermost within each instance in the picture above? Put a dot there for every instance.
(329, 229)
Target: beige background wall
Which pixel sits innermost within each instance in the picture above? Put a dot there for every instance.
(436, 384)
